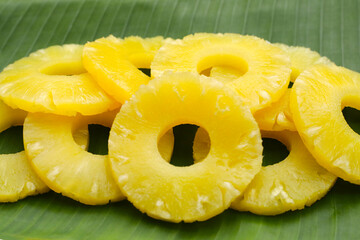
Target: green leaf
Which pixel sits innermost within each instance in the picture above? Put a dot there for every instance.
(330, 27)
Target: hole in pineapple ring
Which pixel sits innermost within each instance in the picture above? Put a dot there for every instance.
(64, 68)
(92, 138)
(146, 71)
(350, 106)
(274, 151)
(352, 117)
(182, 154)
(98, 139)
(237, 65)
(13, 137)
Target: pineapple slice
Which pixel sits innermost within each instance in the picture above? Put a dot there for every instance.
(277, 116)
(318, 96)
(114, 63)
(192, 193)
(53, 80)
(265, 68)
(291, 184)
(17, 179)
(62, 164)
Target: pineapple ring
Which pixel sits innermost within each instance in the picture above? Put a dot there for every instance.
(291, 184)
(318, 96)
(17, 179)
(62, 164)
(114, 63)
(192, 193)
(277, 116)
(57, 152)
(40, 83)
(265, 68)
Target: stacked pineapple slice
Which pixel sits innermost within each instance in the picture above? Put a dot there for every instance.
(53, 80)
(62, 164)
(199, 191)
(245, 89)
(114, 63)
(319, 119)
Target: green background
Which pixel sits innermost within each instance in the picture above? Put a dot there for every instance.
(329, 27)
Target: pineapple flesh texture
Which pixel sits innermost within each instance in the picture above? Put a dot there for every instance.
(53, 80)
(17, 179)
(192, 193)
(264, 69)
(316, 102)
(114, 63)
(277, 116)
(64, 165)
(291, 184)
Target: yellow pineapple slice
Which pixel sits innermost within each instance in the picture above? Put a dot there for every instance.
(291, 184)
(62, 164)
(317, 99)
(53, 80)
(191, 193)
(277, 116)
(265, 68)
(17, 179)
(114, 63)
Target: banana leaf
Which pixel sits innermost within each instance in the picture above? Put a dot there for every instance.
(330, 27)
